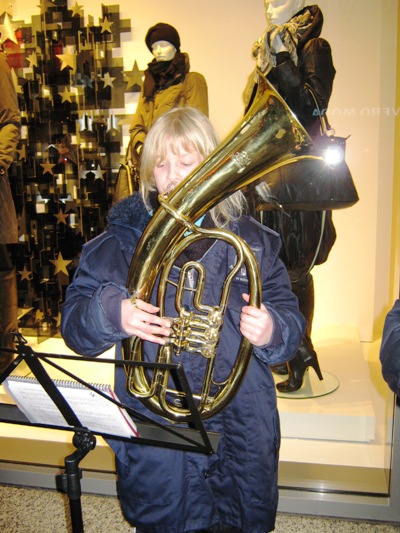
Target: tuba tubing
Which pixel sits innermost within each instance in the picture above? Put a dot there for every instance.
(268, 137)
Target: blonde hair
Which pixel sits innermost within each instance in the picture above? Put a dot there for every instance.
(189, 129)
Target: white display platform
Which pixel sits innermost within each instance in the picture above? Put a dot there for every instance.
(347, 413)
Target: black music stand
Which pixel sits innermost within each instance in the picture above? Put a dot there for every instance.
(151, 432)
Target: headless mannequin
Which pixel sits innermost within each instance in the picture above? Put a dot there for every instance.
(268, 51)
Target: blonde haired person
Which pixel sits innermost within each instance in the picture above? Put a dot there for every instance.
(174, 491)
(186, 130)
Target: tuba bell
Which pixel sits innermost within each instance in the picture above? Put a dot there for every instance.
(268, 137)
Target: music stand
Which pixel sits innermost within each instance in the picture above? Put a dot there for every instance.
(151, 432)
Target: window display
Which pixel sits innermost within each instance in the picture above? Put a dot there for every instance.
(78, 82)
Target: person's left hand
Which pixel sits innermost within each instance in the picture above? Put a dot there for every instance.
(256, 324)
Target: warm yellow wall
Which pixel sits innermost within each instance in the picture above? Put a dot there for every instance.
(395, 275)
(354, 286)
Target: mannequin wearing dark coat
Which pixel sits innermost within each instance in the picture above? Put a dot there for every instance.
(10, 124)
(309, 63)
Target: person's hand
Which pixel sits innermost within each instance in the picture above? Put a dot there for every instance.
(141, 320)
(256, 324)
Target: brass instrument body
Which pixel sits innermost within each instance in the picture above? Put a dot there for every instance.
(268, 137)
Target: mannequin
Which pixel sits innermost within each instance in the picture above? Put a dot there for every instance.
(168, 83)
(291, 54)
(10, 124)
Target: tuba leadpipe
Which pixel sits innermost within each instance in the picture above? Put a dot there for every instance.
(268, 137)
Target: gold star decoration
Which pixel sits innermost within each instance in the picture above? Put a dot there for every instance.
(47, 167)
(25, 274)
(70, 205)
(98, 174)
(61, 217)
(106, 25)
(61, 264)
(108, 80)
(134, 77)
(44, 6)
(32, 60)
(22, 153)
(68, 58)
(66, 95)
(76, 10)
(7, 30)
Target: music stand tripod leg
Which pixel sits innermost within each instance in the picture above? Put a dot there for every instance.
(70, 481)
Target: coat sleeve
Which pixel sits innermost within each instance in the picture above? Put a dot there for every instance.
(277, 296)
(316, 69)
(138, 130)
(390, 349)
(196, 92)
(10, 120)
(91, 313)
(289, 323)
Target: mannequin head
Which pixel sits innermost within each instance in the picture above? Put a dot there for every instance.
(163, 51)
(163, 41)
(281, 11)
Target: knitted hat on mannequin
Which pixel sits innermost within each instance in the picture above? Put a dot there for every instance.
(162, 32)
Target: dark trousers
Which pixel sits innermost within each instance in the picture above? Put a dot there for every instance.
(304, 290)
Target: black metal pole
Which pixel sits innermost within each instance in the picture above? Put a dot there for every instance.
(70, 481)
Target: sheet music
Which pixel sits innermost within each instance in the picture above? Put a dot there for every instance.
(93, 411)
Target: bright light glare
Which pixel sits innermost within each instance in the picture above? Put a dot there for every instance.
(333, 155)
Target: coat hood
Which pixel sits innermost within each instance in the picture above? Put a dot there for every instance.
(315, 28)
(130, 212)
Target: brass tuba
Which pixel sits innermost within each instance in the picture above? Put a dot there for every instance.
(268, 137)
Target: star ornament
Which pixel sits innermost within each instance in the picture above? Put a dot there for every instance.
(106, 25)
(61, 217)
(47, 167)
(135, 77)
(66, 95)
(98, 174)
(25, 274)
(68, 58)
(61, 264)
(32, 60)
(108, 80)
(76, 10)
(7, 30)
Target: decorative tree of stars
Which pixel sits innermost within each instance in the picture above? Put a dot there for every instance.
(71, 91)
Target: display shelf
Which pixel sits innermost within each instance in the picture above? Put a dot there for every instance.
(341, 411)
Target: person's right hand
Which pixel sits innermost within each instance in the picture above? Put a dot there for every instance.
(141, 320)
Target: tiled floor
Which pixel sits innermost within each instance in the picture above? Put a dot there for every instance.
(25, 510)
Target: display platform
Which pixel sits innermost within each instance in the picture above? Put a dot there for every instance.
(347, 412)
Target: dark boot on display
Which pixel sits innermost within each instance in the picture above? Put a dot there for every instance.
(8, 315)
(281, 370)
(304, 358)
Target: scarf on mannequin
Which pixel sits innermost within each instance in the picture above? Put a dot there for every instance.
(290, 33)
(162, 74)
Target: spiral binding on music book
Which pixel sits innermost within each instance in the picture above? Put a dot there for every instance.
(93, 410)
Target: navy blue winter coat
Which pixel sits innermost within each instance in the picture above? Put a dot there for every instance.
(174, 491)
(390, 348)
